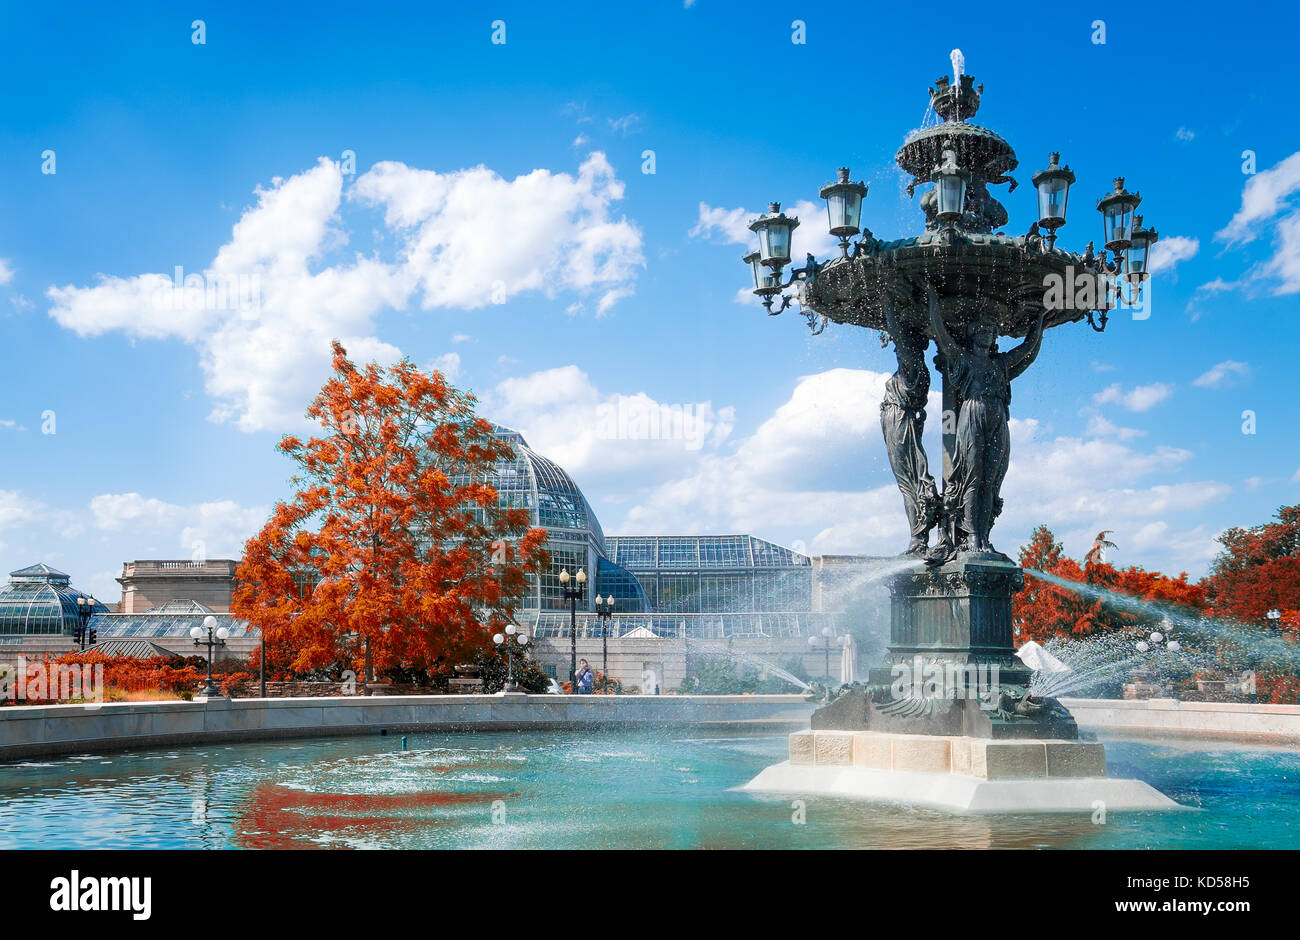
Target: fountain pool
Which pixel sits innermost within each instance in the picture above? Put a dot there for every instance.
(572, 789)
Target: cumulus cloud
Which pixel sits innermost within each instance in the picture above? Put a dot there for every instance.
(601, 436)
(6, 272)
(1168, 252)
(464, 239)
(1266, 196)
(1138, 398)
(1222, 375)
(215, 528)
(815, 472)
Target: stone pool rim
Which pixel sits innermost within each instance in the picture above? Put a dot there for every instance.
(48, 730)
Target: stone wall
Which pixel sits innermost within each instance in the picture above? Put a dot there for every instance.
(1167, 717)
(32, 730)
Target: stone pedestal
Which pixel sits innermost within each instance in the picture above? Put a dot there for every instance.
(947, 721)
(958, 773)
(952, 667)
(958, 613)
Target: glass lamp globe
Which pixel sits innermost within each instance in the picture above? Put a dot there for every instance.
(600, 601)
(498, 638)
(609, 601)
(522, 639)
(511, 629)
(1117, 216)
(196, 632)
(766, 281)
(774, 232)
(1053, 185)
(1142, 646)
(950, 183)
(209, 623)
(1156, 637)
(1137, 258)
(1175, 646)
(812, 641)
(582, 576)
(223, 633)
(844, 206)
(564, 575)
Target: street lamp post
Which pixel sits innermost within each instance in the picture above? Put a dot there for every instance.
(604, 611)
(573, 595)
(85, 610)
(824, 640)
(1274, 616)
(215, 636)
(511, 638)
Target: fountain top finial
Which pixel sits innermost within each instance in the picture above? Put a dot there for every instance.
(956, 99)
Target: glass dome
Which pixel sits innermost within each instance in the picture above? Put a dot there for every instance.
(40, 600)
(542, 486)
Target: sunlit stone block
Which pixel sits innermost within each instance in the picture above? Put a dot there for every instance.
(1076, 759)
(833, 747)
(872, 750)
(921, 752)
(1008, 760)
(801, 747)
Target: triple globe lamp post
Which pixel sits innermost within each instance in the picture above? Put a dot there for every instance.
(211, 636)
(510, 638)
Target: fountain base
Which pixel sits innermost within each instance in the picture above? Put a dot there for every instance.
(957, 773)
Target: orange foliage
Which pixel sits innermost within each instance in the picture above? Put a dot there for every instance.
(395, 523)
(1042, 610)
(136, 674)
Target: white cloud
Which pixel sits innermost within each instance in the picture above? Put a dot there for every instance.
(1101, 427)
(465, 239)
(815, 472)
(448, 364)
(218, 529)
(1268, 194)
(627, 124)
(6, 271)
(1263, 197)
(1168, 252)
(1185, 135)
(471, 236)
(16, 509)
(604, 436)
(1138, 398)
(1222, 375)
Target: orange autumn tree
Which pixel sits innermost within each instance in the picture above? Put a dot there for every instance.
(1042, 610)
(395, 534)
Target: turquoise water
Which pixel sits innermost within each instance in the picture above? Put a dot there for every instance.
(660, 789)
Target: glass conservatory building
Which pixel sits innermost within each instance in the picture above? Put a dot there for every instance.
(41, 601)
(709, 587)
(575, 539)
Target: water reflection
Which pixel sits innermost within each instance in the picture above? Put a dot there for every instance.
(650, 789)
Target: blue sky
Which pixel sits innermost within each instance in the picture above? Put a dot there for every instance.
(514, 172)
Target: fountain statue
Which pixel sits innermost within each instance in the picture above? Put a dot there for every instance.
(951, 687)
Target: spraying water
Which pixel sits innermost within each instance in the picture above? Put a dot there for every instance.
(958, 69)
(751, 660)
(1204, 645)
